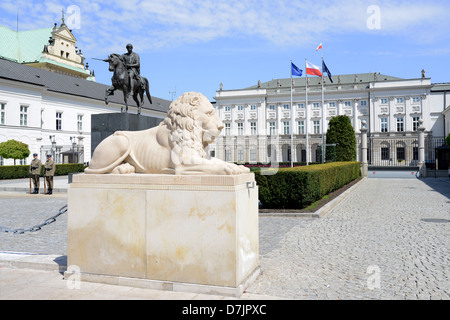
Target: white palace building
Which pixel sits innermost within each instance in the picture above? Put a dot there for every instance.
(258, 123)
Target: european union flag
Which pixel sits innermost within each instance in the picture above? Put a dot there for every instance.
(325, 69)
(295, 70)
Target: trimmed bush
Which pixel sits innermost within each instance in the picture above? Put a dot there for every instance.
(341, 132)
(23, 171)
(297, 188)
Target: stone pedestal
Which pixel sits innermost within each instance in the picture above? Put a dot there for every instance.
(182, 233)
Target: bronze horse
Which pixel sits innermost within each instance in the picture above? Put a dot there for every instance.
(121, 81)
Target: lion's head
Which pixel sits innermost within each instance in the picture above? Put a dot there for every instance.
(193, 122)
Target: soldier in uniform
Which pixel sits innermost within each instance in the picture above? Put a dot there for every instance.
(133, 64)
(35, 171)
(49, 172)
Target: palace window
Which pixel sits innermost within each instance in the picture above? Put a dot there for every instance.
(286, 127)
(240, 126)
(2, 113)
(332, 104)
(400, 124)
(240, 156)
(253, 107)
(384, 101)
(300, 105)
(316, 125)
(400, 100)
(253, 155)
(272, 128)
(363, 103)
(415, 99)
(271, 107)
(316, 105)
(400, 153)
(23, 115)
(240, 108)
(253, 128)
(227, 108)
(227, 155)
(59, 121)
(227, 129)
(384, 125)
(385, 153)
(286, 107)
(415, 122)
(347, 103)
(301, 127)
(80, 122)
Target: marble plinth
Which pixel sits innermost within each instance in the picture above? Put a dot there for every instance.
(190, 231)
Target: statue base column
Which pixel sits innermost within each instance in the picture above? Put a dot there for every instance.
(181, 233)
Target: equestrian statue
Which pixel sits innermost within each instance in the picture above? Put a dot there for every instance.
(127, 78)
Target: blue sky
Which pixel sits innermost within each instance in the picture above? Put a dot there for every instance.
(195, 45)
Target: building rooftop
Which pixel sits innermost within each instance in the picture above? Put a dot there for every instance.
(65, 84)
(23, 46)
(344, 79)
(441, 87)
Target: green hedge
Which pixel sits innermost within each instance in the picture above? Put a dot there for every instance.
(22, 171)
(297, 188)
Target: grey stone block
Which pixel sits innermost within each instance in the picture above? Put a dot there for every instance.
(105, 124)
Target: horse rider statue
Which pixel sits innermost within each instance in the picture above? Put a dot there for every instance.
(133, 65)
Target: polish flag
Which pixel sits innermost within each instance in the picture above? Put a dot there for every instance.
(312, 69)
(319, 47)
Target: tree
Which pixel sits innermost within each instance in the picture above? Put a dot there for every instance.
(341, 132)
(13, 149)
(447, 140)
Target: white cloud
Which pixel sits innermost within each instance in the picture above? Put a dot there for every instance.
(153, 24)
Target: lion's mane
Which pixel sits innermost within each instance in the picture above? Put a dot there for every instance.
(185, 131)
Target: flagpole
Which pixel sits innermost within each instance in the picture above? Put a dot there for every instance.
(323, 119)
(292, 125)
(306, 110)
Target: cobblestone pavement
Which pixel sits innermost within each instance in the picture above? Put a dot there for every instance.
(19, 210)
(387, 239)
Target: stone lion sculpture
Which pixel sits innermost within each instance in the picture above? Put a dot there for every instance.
(176, 146)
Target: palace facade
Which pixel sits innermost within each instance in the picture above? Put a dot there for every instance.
(258, 119)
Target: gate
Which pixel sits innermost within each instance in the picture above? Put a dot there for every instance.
(437, 154)
(393, 152)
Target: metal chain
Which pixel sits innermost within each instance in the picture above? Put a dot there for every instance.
(36, 227)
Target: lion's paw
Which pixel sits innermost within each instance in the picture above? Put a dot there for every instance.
(123, 169)
(236, 169)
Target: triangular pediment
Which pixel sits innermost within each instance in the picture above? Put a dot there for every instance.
(64, 32)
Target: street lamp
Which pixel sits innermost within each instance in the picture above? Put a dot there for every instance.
(74, 144)
(53, 149)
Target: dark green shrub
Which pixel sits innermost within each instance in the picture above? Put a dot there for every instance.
(297, 188)
(341, 132)
(22, 171)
